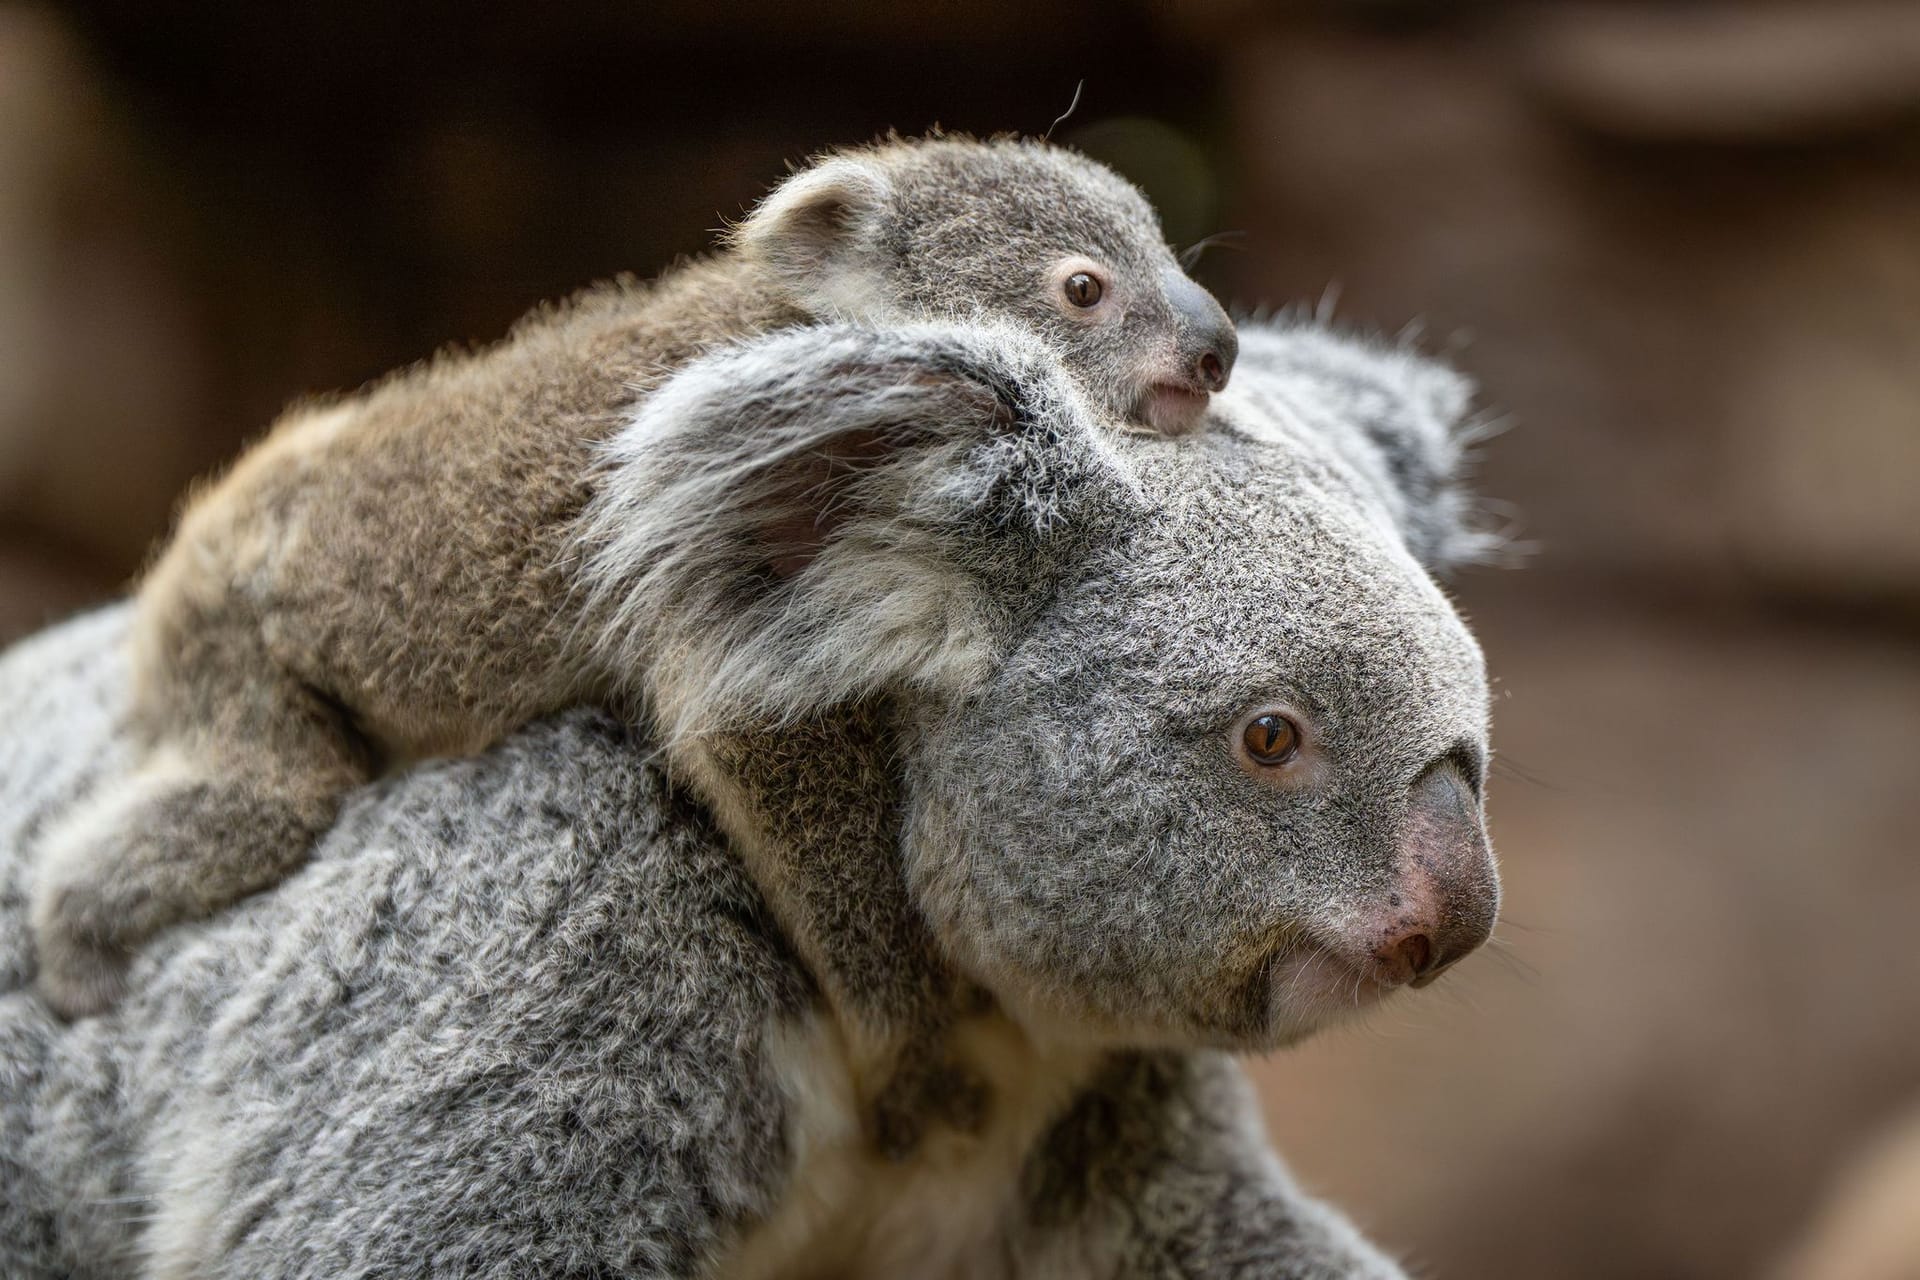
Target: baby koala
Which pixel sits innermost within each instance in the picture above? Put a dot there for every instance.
(391, 575)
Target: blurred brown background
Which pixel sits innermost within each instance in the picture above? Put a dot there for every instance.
(1679, 245)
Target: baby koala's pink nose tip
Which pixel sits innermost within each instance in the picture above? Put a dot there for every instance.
(1211, 371)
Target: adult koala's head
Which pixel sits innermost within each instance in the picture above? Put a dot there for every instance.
(1190, 746)
(1007, 229)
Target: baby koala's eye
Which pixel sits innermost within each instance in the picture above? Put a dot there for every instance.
(1271, 739)
(1084, 289)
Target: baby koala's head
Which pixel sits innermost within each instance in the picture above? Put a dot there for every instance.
(1191, 747)
(1014, 230)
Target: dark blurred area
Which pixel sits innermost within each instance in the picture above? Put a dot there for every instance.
(1677, 244)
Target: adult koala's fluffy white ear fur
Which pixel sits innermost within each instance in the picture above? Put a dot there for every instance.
(1397, 420)
(830, 512)
(814, 232)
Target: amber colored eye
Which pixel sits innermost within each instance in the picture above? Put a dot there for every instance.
(1271, 739)
(1083, 289)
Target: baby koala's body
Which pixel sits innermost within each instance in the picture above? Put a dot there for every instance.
(395, 574)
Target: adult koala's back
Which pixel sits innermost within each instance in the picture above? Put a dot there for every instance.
(507, 1023)
(1152, 747)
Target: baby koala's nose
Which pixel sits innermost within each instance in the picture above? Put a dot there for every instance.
(1445, 890)
(1212, 370)
(1209, 343)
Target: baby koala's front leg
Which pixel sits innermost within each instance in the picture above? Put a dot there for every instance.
(205, 819)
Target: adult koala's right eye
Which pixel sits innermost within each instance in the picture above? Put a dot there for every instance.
(1271, 739)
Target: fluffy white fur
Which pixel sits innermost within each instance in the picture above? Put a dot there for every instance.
(749, 456)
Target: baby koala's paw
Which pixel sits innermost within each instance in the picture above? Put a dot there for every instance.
(169, 847)
(86, 917)
(78, 976)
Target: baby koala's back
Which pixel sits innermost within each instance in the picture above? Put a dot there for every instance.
(405, 549)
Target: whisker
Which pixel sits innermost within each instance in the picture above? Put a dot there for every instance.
(1219, 239)
(1505, 766)
(1062, 117)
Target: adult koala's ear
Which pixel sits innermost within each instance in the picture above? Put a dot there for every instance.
(1398, 420)
(826, 513)
(817, 233)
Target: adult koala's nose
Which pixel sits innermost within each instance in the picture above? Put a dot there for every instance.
(1445, 890)
(1208, 342)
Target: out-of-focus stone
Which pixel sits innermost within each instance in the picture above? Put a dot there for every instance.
(1822, 394)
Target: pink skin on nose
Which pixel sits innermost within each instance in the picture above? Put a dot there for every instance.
(1404, 952)
(1175, 405)
(1444, 897)
(1439, 907)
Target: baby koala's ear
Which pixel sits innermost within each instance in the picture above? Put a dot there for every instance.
(817, 233)
(1398, 420)
(827, 513)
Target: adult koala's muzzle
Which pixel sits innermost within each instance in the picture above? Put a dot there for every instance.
(1444, 893)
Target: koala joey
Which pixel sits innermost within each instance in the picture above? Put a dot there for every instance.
(390, 575)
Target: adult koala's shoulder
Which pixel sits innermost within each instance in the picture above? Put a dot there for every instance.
(508, 1021)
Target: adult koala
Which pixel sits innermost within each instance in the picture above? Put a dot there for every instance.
(1143, 748)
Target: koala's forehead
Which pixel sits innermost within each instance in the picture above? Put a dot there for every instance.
(1256, 576)
(1013, 195)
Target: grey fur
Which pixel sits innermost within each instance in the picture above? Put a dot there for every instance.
(1412, 436)
(533, 1012)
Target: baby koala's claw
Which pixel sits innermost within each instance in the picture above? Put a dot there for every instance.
(78, 978)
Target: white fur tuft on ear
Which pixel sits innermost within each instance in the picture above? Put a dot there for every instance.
(824, 513)
(817, 231)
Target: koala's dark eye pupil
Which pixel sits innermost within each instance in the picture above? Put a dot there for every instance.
(1272, 739)
(1083, 290)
